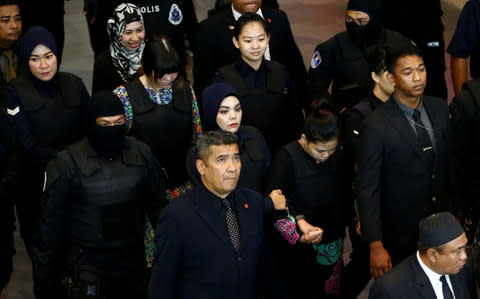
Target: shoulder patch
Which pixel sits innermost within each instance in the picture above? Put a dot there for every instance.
(175, 16)
(14, 111)
(316, 60)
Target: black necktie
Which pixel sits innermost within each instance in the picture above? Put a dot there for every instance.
(423, 137)
(447, 293)
(232, 224)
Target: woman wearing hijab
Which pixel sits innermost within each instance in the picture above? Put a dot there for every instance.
(47, 109)
(222, 111)
(121, 62)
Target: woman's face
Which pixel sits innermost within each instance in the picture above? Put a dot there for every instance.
(43, 63)
(319, 151)
(252, 42)
(133, 36)
(229, 115)
(166, 80)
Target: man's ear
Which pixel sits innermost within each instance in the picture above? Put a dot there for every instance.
(200, 166)
(432, 255)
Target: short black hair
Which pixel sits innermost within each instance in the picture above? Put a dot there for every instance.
(375, 56)
(247, 18)
(217, 137)
(393, 54)
(160, 57)
(423, 250)
(10, 2)
(321, 124)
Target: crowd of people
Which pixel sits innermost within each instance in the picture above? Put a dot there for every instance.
(243, 183)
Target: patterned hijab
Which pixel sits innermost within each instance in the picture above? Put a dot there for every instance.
(126, 62)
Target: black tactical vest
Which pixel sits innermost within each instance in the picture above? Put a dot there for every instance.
(167, 129)
(106, 210)
(265, 108)
(254, 156)
(55, 121)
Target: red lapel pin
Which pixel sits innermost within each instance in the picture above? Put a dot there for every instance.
(269, 20)
(246, 206)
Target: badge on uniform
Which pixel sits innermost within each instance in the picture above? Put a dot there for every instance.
(316, 60)
(175, 16)
(14, 111)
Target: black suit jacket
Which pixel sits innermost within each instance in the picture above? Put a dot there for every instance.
(195, 258)
(394, 184)
(214, 47)
(408, 281)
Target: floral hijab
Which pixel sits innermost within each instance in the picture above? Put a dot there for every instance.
(125, 61)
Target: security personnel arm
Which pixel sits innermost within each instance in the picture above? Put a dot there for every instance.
(270, 282)
(167, 258)
(464, 41)
(52, 223)
(155, 197)
(321, 71)
(368, 181)
(12, 158)
(22, 127)
(462, 109)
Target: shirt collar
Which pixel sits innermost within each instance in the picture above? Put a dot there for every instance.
(244, 68)
(433, 276)
(407, 110)
(237, 15)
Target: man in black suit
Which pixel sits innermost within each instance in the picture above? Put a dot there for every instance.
(403, 163)
(210, 243)
(214, 47)
(437, 270)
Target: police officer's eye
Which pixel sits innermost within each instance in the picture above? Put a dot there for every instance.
(348, 19)
(223, 111)
(221, 160)
(236, 158)
(238, 109)
(33, 59)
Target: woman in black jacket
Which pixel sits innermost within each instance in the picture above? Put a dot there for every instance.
(48, 111)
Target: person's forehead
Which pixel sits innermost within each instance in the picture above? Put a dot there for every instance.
(457, 243)
(113, 117)
(224, 150)
(9, 10)
(357, 14)
(409, 61)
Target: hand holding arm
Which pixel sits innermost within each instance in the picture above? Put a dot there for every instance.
(311, 234)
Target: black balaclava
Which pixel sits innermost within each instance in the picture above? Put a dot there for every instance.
(107, 141)
(368, 33)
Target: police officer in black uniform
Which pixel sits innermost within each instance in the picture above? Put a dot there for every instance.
(341, 59)
(426, 32)
(97, 194)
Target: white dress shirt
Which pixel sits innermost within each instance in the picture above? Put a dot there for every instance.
(435, 279)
